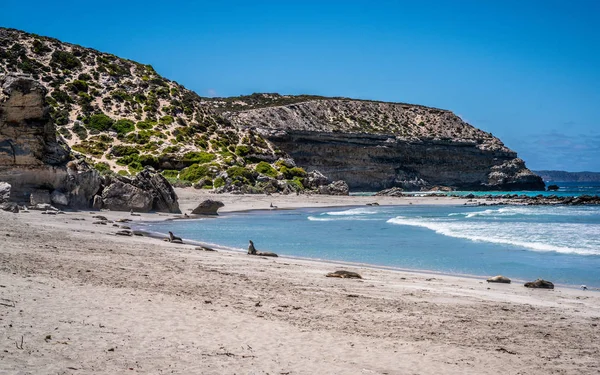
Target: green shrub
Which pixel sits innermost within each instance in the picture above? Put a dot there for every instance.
(199, 157)
(170, 173)
(166, 120)
(91, 148)
(290, 173)
(65, 60)
(80, 131)
(240, 173)
(145, 125)
(149, 160)
(122, 150)
(242, 150)
(135, 167)
(61, 96)
(296, 183)
(194, 172)
(266, 169)
(84, 77)
(123, 126)
(78, 86)
(100, 122)
(102, 167)
(218, 182)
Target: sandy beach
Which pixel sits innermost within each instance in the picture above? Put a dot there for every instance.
(77, 299)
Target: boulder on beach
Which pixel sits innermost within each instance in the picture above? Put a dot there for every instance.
(344, 274)
(539, 283)
(208, 207)
(499, 279)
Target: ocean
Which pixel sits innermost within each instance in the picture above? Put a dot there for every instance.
(557, 243)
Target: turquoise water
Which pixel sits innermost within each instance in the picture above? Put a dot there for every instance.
(557, 243)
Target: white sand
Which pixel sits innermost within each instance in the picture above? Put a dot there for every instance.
(88, 302)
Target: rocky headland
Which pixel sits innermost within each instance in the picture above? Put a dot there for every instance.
(121, 117)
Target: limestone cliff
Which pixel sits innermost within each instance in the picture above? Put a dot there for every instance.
(374, 145)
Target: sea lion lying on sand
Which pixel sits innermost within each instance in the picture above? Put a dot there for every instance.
(539, 283)
(499, 279)
(252, 251)
(344, 275)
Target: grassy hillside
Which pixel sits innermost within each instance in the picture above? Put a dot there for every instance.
(123, 115)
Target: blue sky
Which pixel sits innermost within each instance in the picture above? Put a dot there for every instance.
(527, 71)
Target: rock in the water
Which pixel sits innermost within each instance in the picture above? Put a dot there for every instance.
(4, 191)
(499, 279)
(540, 283)
(39, 197)
(56, 197)
(344, 274)
(208, 207)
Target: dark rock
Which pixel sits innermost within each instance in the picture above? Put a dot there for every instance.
(391, 192)
(539, 283)
(208, 207)
(552, 187)
(344, 274)
(120, 196)
(335, 188)
(39, 197)
(58, 198)
(10, 207)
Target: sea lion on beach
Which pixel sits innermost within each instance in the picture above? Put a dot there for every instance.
(344, 275)
(174, 238)
(539, 283)
(499, 279)
(252, 251)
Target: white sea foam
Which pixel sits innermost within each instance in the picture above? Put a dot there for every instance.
(565, 238)
(338, 218)
(352, 212)
(527, 211)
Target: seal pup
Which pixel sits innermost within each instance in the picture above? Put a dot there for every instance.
(174, 238)
(273, 207)
(251, 248)
(132, 214)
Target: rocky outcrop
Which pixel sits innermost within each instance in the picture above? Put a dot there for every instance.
(4, 192)
(32, 160)
(208, 207)
(148, 191)
(374, 146)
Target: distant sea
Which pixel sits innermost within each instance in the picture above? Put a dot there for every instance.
(557, 243)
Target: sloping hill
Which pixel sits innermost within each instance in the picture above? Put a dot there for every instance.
(123, 116)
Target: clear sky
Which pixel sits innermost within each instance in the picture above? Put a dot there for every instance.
(528, 71)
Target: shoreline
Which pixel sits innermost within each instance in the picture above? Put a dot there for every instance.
(88, 301)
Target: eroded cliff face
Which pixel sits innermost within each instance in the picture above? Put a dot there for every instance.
(373, 146)
(31, 157)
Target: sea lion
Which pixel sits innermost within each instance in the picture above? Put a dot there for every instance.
(174, 238)
(499, 279)
(539, 283)
(252, 251)
(344, 275)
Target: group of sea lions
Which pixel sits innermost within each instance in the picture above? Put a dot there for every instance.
(539, 283)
